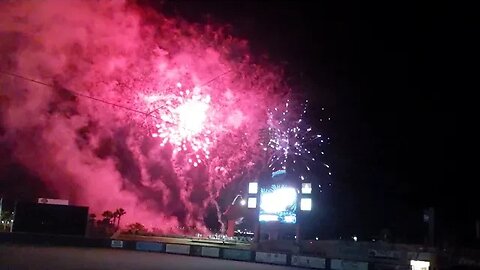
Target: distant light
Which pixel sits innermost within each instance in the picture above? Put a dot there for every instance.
(316, 238)
(295, 237)
(306, 204)
(243, 202)
(419, 265)
(355, 238)
(252, 203)
(306, 188)
(252, 188)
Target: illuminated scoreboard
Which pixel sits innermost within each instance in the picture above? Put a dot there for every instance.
(278, 203)
(278, 199)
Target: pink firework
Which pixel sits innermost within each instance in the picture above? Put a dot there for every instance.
(166, 71)
(184, 123)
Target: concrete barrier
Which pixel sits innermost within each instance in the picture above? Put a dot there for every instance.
(310, 262)
(204, 251)
(273, 258)
(116, 244)
(178, 249)
(386, 266)
(237, 254)
(196, 250)
(150, 246)
(336, 264)
(210, 252)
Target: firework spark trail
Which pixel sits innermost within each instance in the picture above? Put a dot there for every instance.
(97, 155)
(290, 139)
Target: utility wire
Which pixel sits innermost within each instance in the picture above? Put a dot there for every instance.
(207, 83)
(75, 93)
(215, 78)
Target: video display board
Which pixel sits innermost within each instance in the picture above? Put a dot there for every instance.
(278, 203)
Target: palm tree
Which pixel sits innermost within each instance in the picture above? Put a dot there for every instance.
(107, 217)
(119, 213)
(114, 220)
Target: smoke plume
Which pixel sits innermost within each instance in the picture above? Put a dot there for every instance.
(104, 156)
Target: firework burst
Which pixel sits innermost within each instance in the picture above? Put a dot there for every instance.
(182, 120)
(194, 87)
(291, 140)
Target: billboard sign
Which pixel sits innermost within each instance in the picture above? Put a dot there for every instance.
(52, 201)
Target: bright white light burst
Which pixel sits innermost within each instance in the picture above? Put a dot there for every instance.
(182, 122)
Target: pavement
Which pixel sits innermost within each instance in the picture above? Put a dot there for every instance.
(16, 257)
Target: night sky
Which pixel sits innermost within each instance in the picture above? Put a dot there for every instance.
(392, 79)
(390, 76)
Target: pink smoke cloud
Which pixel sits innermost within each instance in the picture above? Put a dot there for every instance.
(103, 156)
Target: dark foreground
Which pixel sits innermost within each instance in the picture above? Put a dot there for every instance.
(30, 257)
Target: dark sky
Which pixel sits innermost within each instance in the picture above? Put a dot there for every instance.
(391, 76)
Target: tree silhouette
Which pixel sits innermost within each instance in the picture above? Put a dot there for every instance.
(107, 217)
(136, 228)
(118, 214)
